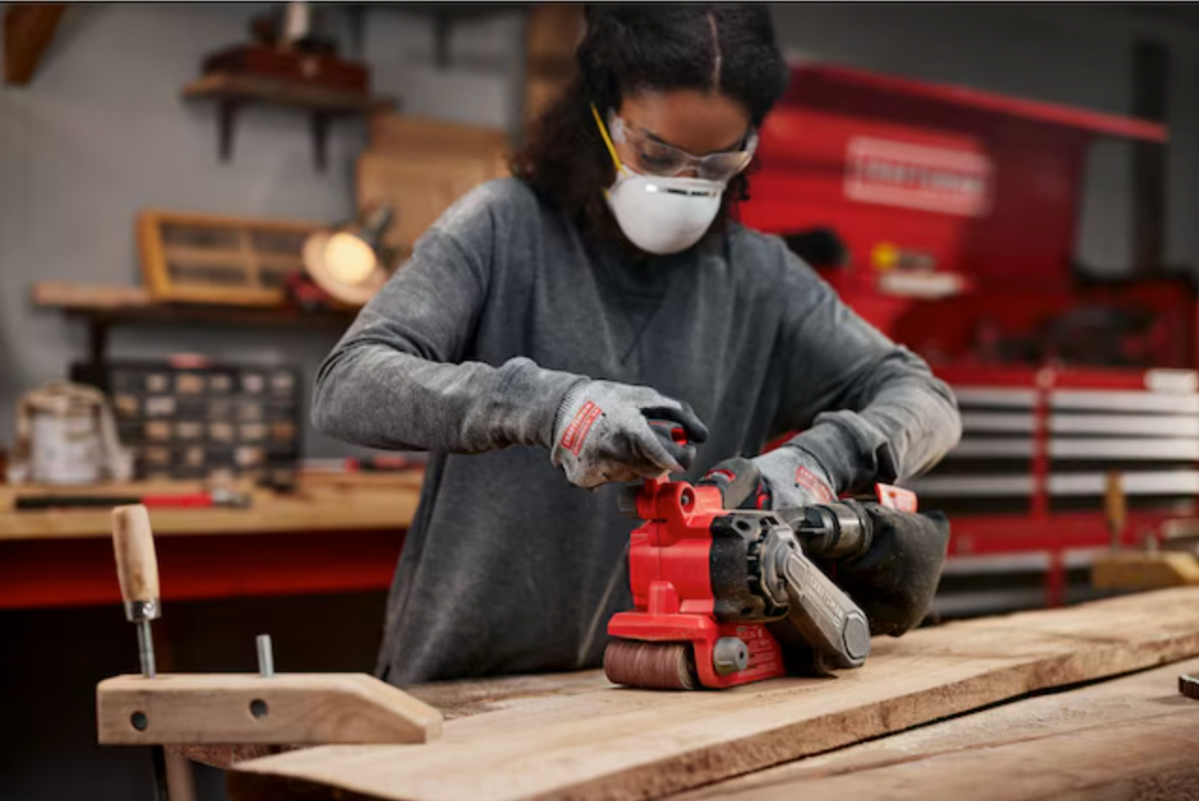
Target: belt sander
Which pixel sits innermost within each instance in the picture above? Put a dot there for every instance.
(725, 596)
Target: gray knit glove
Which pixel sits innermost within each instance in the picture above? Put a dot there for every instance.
(793, 478)
(603, 433)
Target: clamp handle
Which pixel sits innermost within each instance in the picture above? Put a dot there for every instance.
(137, 564)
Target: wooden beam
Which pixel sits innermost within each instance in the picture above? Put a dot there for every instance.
(67, 295)
(1144, 570)
(617, 743)
(28, 29)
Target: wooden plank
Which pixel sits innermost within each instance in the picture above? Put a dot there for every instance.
(28, 30)
(244, 88)
(1144, 570)
(420, 166)
(454, 699)
(1133, 737)
(618, 743)
(322, 506)
(158, 487)
(404, 134)
(134, 305)
(419, 187)
(66, 295)
(463, 699)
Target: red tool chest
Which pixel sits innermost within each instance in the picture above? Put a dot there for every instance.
(959, 211)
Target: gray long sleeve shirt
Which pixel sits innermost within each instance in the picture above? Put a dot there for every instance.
(468, 351)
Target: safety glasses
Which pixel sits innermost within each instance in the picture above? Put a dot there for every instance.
(648, 156)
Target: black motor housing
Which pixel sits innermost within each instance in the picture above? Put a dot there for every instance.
(895, 580)
(734, 569)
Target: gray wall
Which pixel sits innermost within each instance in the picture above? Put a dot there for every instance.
(101, 133)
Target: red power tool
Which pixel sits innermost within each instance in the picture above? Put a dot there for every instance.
(722, 595)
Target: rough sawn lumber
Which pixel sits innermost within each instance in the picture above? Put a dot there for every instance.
(1128, 739)
(616, 743)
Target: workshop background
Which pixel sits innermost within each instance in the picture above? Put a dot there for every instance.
(103, 150)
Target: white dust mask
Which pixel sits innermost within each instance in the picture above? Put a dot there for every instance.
(663, 215)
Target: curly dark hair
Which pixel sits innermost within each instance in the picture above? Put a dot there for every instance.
(628, 48)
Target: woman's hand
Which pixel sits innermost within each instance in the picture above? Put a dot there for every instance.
(602, 433)
(789, 477)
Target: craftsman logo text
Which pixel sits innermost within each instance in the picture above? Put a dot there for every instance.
(576, 433)
(918, 177)
(807, 479)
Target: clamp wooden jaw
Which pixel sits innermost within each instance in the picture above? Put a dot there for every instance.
(228, 708)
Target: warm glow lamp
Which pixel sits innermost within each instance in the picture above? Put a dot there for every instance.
(345, 261)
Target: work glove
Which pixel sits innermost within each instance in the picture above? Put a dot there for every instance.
(606, 431)
(788, 477)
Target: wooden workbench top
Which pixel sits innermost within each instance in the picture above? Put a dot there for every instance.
(578, 737)
(1128, 739)
(321, 502)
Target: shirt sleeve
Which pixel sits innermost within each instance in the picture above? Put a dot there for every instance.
(397, 378)
(872, 410)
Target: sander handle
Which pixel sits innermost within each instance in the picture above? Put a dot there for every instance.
(837, 530)
(827, 619)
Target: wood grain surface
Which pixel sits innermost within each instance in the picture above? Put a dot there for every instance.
(617, 743)
(420, 186)
(1120, 740)
(1144, 570)
(375, 502)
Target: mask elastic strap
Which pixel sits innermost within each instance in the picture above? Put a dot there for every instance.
(603, 129)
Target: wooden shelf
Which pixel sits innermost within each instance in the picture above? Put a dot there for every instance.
(231, 92)
(105, 306)
(247, 89)
(179, 313)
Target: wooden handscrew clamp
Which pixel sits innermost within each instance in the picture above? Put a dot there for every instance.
(263, 708)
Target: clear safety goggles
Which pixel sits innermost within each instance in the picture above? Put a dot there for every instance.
(648, 156)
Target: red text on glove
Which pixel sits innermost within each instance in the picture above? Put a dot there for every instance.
(576, 433)
(807, 479)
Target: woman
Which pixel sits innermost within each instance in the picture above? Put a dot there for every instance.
(546, 319)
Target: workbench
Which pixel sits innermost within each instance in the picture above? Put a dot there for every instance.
(334, 533)
(1077, 703)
